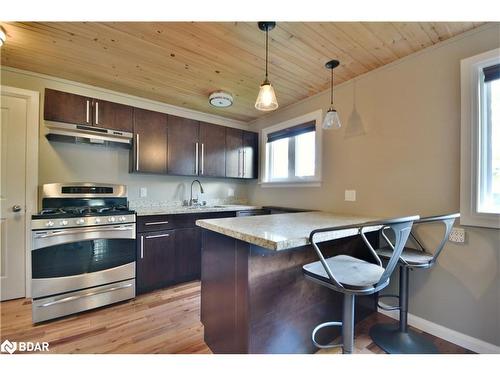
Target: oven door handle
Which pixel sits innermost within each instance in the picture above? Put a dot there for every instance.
(90, 294)
(86, 230)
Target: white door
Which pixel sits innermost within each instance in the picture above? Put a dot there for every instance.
(13, 127)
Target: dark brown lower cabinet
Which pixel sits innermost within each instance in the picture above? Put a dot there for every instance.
(169, 248)
(155, 260)
(187, 254)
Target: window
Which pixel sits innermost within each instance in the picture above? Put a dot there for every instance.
(489, 140)
(291, 152)
(480, 133)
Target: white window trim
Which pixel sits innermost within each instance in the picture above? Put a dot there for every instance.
(470, 70)
(315, 181)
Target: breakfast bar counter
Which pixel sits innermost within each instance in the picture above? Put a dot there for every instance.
(254, 296)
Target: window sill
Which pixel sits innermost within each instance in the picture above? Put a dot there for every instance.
(290, 184)
(484, 220)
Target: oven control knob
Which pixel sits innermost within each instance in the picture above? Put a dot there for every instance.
(49, 223)
(122, 218)
(111, 219)
(64, 222)
(97, 220)
(80, 221)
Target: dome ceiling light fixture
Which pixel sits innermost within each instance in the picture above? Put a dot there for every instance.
(220, 99)
(331, 120)
(266, 100)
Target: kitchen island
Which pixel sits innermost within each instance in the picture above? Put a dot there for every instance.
(254, 296)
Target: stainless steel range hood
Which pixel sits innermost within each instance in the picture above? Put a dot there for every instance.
(61, 132)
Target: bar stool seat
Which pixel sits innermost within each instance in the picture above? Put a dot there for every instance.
(351, 272)
(415, 258)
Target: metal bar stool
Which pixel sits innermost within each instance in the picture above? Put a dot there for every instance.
(396, 338)
(352, 276)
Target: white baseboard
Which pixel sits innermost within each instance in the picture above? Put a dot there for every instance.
(458, 338)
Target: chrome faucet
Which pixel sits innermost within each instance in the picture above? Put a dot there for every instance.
(194, 202)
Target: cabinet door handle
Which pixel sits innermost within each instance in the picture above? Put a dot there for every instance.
(157, 222)
(243, 163)
(97, 113)
(88, 111)
(239, 163)
(158, 236)
(202, 158)
(196, 159)
(137, 152)
(142, 247)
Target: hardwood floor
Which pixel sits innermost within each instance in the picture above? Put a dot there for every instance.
(164, 321)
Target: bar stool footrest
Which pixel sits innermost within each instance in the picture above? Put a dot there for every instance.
(388, 308)
(323, 325)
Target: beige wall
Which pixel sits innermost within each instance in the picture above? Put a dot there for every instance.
(63, 162)
(399, 148)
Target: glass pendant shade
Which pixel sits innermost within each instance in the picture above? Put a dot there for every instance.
(2, 37)
(266, 100)
(331, 120)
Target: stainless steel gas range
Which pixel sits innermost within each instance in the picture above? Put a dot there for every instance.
(83, 249)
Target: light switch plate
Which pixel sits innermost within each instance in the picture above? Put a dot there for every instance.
(350, 195)
(143, 192)
(457, 235)
(230, 192)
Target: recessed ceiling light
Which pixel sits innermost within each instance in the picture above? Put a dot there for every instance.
(220, 99)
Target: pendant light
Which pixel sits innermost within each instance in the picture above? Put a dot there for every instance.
(266, 100)
(331, 120)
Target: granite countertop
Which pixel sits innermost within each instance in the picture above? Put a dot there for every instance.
(150, 211)
(284, 231)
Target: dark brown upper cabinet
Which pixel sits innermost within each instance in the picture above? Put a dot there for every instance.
(163, 144)
(81, 110)
(234, 145)
(212, 153)
(113, 116)
(250, 154)
(149, 154)
(70, 108)
(241, 153)
(183, 146)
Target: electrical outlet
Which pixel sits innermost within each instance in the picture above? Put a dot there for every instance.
(457, 235)
(230, 192)
(143, 192)
(350, 195)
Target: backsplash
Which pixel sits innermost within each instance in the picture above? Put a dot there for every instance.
(64, 162)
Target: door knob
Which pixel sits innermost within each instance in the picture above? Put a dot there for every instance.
(16, 208)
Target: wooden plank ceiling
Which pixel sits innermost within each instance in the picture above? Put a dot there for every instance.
(181, 63)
